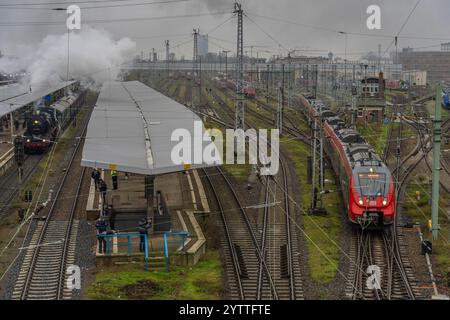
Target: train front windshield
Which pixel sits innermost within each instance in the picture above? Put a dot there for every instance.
(372, 184)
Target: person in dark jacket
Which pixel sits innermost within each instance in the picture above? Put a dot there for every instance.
(102, 230)
(144, 225)
(103, 188)
(96, 176)
(112, 217)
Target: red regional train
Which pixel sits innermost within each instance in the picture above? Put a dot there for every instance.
(366, 182)
(250, 92)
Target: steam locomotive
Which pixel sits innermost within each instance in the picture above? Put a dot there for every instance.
(366, 182)
(45, 123)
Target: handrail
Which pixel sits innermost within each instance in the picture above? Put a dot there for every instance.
(6, 154)
(4, 158)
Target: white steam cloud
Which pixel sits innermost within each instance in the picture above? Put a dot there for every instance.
(93, 54)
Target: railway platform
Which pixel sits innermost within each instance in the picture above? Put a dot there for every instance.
(183, 198)
(130, 132)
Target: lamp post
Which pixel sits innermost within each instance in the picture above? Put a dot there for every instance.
(68, 46)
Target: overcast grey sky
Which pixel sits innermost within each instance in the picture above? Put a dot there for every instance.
(429, 20)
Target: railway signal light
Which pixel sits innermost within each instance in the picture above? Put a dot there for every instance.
(19, 153)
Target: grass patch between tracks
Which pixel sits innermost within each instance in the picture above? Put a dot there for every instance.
(321, 231)
(376, 135)
(201, 282)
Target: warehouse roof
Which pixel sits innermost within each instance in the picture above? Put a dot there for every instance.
(12, 104)
(131, 127)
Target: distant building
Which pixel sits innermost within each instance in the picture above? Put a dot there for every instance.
(303, 60)
(415, 77)
(435, 63)
(408, 49)
(445, 46)
(202, 43)
(371, 102)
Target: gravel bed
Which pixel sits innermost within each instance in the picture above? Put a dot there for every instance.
(85, 256)
(9, 281)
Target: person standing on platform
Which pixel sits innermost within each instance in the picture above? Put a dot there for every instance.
(102, 227)
(112, 217)
(144, 225)
(114, 179)
(103, 188)
(96, 176)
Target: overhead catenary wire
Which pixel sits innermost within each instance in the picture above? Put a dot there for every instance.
(189, 36)
(402, 27)
(112, 20)
(28, 4)
(266, 33)
(353, 33)
(12, 7)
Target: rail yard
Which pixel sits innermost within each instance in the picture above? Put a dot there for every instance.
(239, 163)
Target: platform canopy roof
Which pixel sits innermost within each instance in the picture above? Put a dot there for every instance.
(13, 104)
(131, 127)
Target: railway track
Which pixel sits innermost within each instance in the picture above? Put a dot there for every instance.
(290, 129)
(379, 249)
(385, 251)
(278, 271)
(52, 248)
(242, 251)
(10, 182)
(397, 278)
(278, 242)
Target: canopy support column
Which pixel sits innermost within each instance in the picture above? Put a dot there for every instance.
(150, 194)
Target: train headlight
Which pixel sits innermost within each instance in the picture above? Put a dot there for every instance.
(384, 202)
(44, 140)
(28, 140)
(361, 202)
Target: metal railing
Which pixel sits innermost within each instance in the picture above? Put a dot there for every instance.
(128, 244)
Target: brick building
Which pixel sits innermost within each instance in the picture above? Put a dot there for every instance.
(371, 103)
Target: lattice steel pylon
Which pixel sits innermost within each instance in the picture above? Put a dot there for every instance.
(195, 68)
(240, 108)
(167, 57)
(281, 103)
(279, 116)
